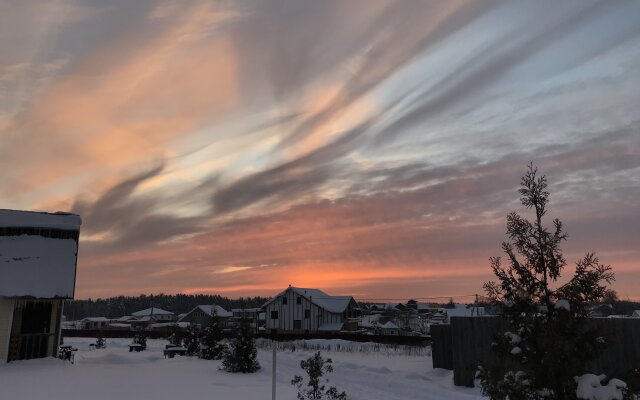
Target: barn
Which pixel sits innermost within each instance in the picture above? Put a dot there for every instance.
(38, 257)
(303, 310)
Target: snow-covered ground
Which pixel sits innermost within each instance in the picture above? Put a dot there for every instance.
(114, 373)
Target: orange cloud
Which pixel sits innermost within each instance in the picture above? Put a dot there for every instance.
(123, 104)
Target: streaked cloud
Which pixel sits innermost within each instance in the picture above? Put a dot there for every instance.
(362, 147)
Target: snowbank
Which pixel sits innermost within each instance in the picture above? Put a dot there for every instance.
(114, 373)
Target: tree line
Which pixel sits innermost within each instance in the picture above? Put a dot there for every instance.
(114, 307)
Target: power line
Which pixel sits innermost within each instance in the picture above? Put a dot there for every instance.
(416, 298)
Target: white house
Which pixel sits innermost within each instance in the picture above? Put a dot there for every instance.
(635, 314)
(308, 310)
(38, 256)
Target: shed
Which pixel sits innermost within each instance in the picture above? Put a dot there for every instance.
(38, 257)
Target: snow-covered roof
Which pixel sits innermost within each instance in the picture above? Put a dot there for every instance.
(636, 314)
(117, 325)
(209, 309)
(389, 325)
(35, 219)
(461, 310)
(331, 327)
(247, 310)
(96, 319)
(334, 304)
(151, 311)
(125, 318)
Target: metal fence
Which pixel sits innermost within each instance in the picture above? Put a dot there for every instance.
(466, 342)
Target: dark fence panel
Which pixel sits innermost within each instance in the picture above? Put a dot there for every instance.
(623, 345)
(441, 351)
(471, 344)
(354, 337)
(282, 337)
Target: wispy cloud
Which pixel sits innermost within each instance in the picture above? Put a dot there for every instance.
(368, 146)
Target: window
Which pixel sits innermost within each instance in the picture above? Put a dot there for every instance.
(284, 300)
(297, 324)
(298, 300)
(307, 314)
(274, 315)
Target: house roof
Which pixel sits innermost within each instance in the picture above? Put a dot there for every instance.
(389, 325)
(209, 309)
(36, 219)
(125, 318)
(151, 311)
(334, 304)
(96, 319)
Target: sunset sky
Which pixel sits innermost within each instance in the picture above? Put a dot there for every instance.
(369, 148)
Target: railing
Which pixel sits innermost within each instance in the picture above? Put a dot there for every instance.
(28, 346)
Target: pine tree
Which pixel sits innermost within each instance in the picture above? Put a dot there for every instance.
(549, 341)
(212, 346)
(316, 367)
(191, 340)
(242, 356)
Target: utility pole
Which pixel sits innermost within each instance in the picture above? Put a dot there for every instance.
(273, 377)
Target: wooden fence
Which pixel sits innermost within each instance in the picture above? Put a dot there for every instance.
(280, 337)
(466, 342)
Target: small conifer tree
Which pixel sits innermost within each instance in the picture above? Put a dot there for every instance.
(242, 356)
(191, 340)
(549, 341)
(316, 367)
(211, 341)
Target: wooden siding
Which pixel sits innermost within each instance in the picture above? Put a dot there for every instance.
(6, 317)
(292, 311)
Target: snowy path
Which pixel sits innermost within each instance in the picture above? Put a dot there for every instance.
(115, 373)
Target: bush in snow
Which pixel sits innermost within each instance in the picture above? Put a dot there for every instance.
(211, 341)
(316, 367)
(632, 378)
(242, 356)
(549, 342)
(141, 339)
(590, 387)
(101, 343)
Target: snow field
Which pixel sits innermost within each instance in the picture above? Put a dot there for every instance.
(115, 373)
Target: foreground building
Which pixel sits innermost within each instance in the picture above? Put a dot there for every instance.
(38, 256)
(302, 310)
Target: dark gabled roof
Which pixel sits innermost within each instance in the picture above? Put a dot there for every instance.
(333, 304)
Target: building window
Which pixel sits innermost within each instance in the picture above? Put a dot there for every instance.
(284, 300)
(307, 314)
(298, 300)
(274, 315)
(297, 324)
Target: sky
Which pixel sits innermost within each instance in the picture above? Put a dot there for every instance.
(364, 147)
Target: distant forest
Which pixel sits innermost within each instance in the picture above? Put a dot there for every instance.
(115, 307)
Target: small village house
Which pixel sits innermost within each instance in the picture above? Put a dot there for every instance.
(201, 315)
(38, 256)
(255, 317)
(94, 322)
(155, 313)
(310, 310)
